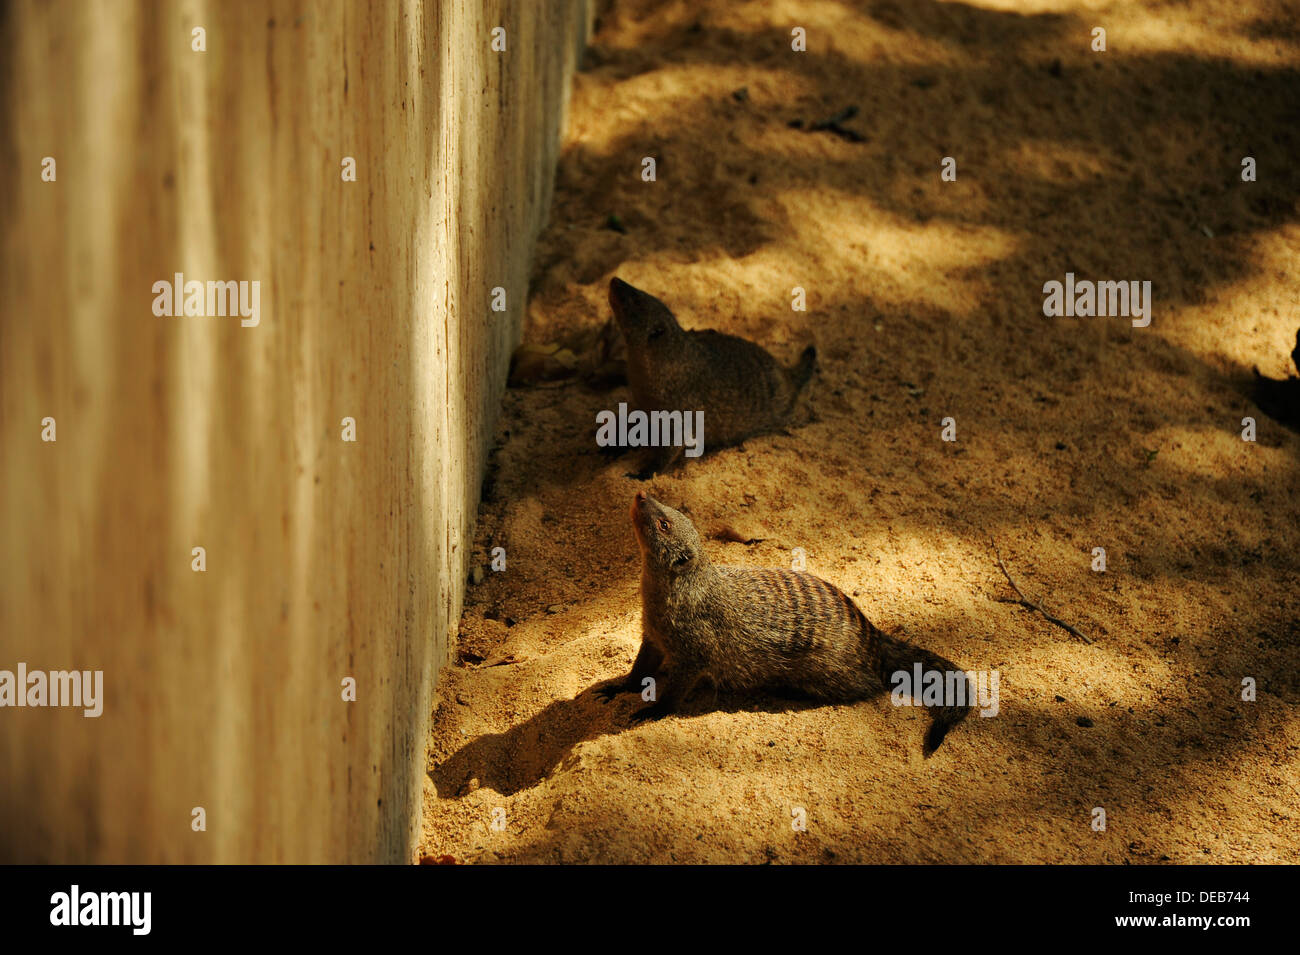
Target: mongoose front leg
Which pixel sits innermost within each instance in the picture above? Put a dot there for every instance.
(671, 688)
(647, 664)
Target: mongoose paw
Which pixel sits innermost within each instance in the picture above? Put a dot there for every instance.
(647, 715)
(607, 693)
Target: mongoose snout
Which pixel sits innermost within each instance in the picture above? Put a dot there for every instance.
(666, 537)
(637, 503)
(640, 317)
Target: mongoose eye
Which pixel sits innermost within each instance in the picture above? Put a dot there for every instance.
(664, 525)
(656, 332)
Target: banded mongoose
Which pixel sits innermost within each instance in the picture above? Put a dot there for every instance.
(1280, 398)
(740, 387)
(754, 629)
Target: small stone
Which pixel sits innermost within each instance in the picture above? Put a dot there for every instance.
(533, 363)
(1084, 722)
(555, 608)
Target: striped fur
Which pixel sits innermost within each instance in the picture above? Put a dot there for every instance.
(746, 629)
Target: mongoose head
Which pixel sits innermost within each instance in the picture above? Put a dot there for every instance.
(668, 540)
(645, 321)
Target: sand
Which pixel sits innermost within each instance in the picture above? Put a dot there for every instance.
(924, 299)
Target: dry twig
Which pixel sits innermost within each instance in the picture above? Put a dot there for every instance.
(1026, 602)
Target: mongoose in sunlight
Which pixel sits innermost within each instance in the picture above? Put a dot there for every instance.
(1280, 398)
(740, 387)
(755, 629)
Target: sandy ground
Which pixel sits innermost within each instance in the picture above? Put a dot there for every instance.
(925, 301)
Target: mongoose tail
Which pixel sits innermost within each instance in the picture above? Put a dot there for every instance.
(896, 655)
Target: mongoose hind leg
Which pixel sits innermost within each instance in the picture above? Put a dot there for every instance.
(672, 687)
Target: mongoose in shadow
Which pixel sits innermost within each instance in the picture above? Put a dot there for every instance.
(757, 629)
(1280, 398)
(740, 387)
